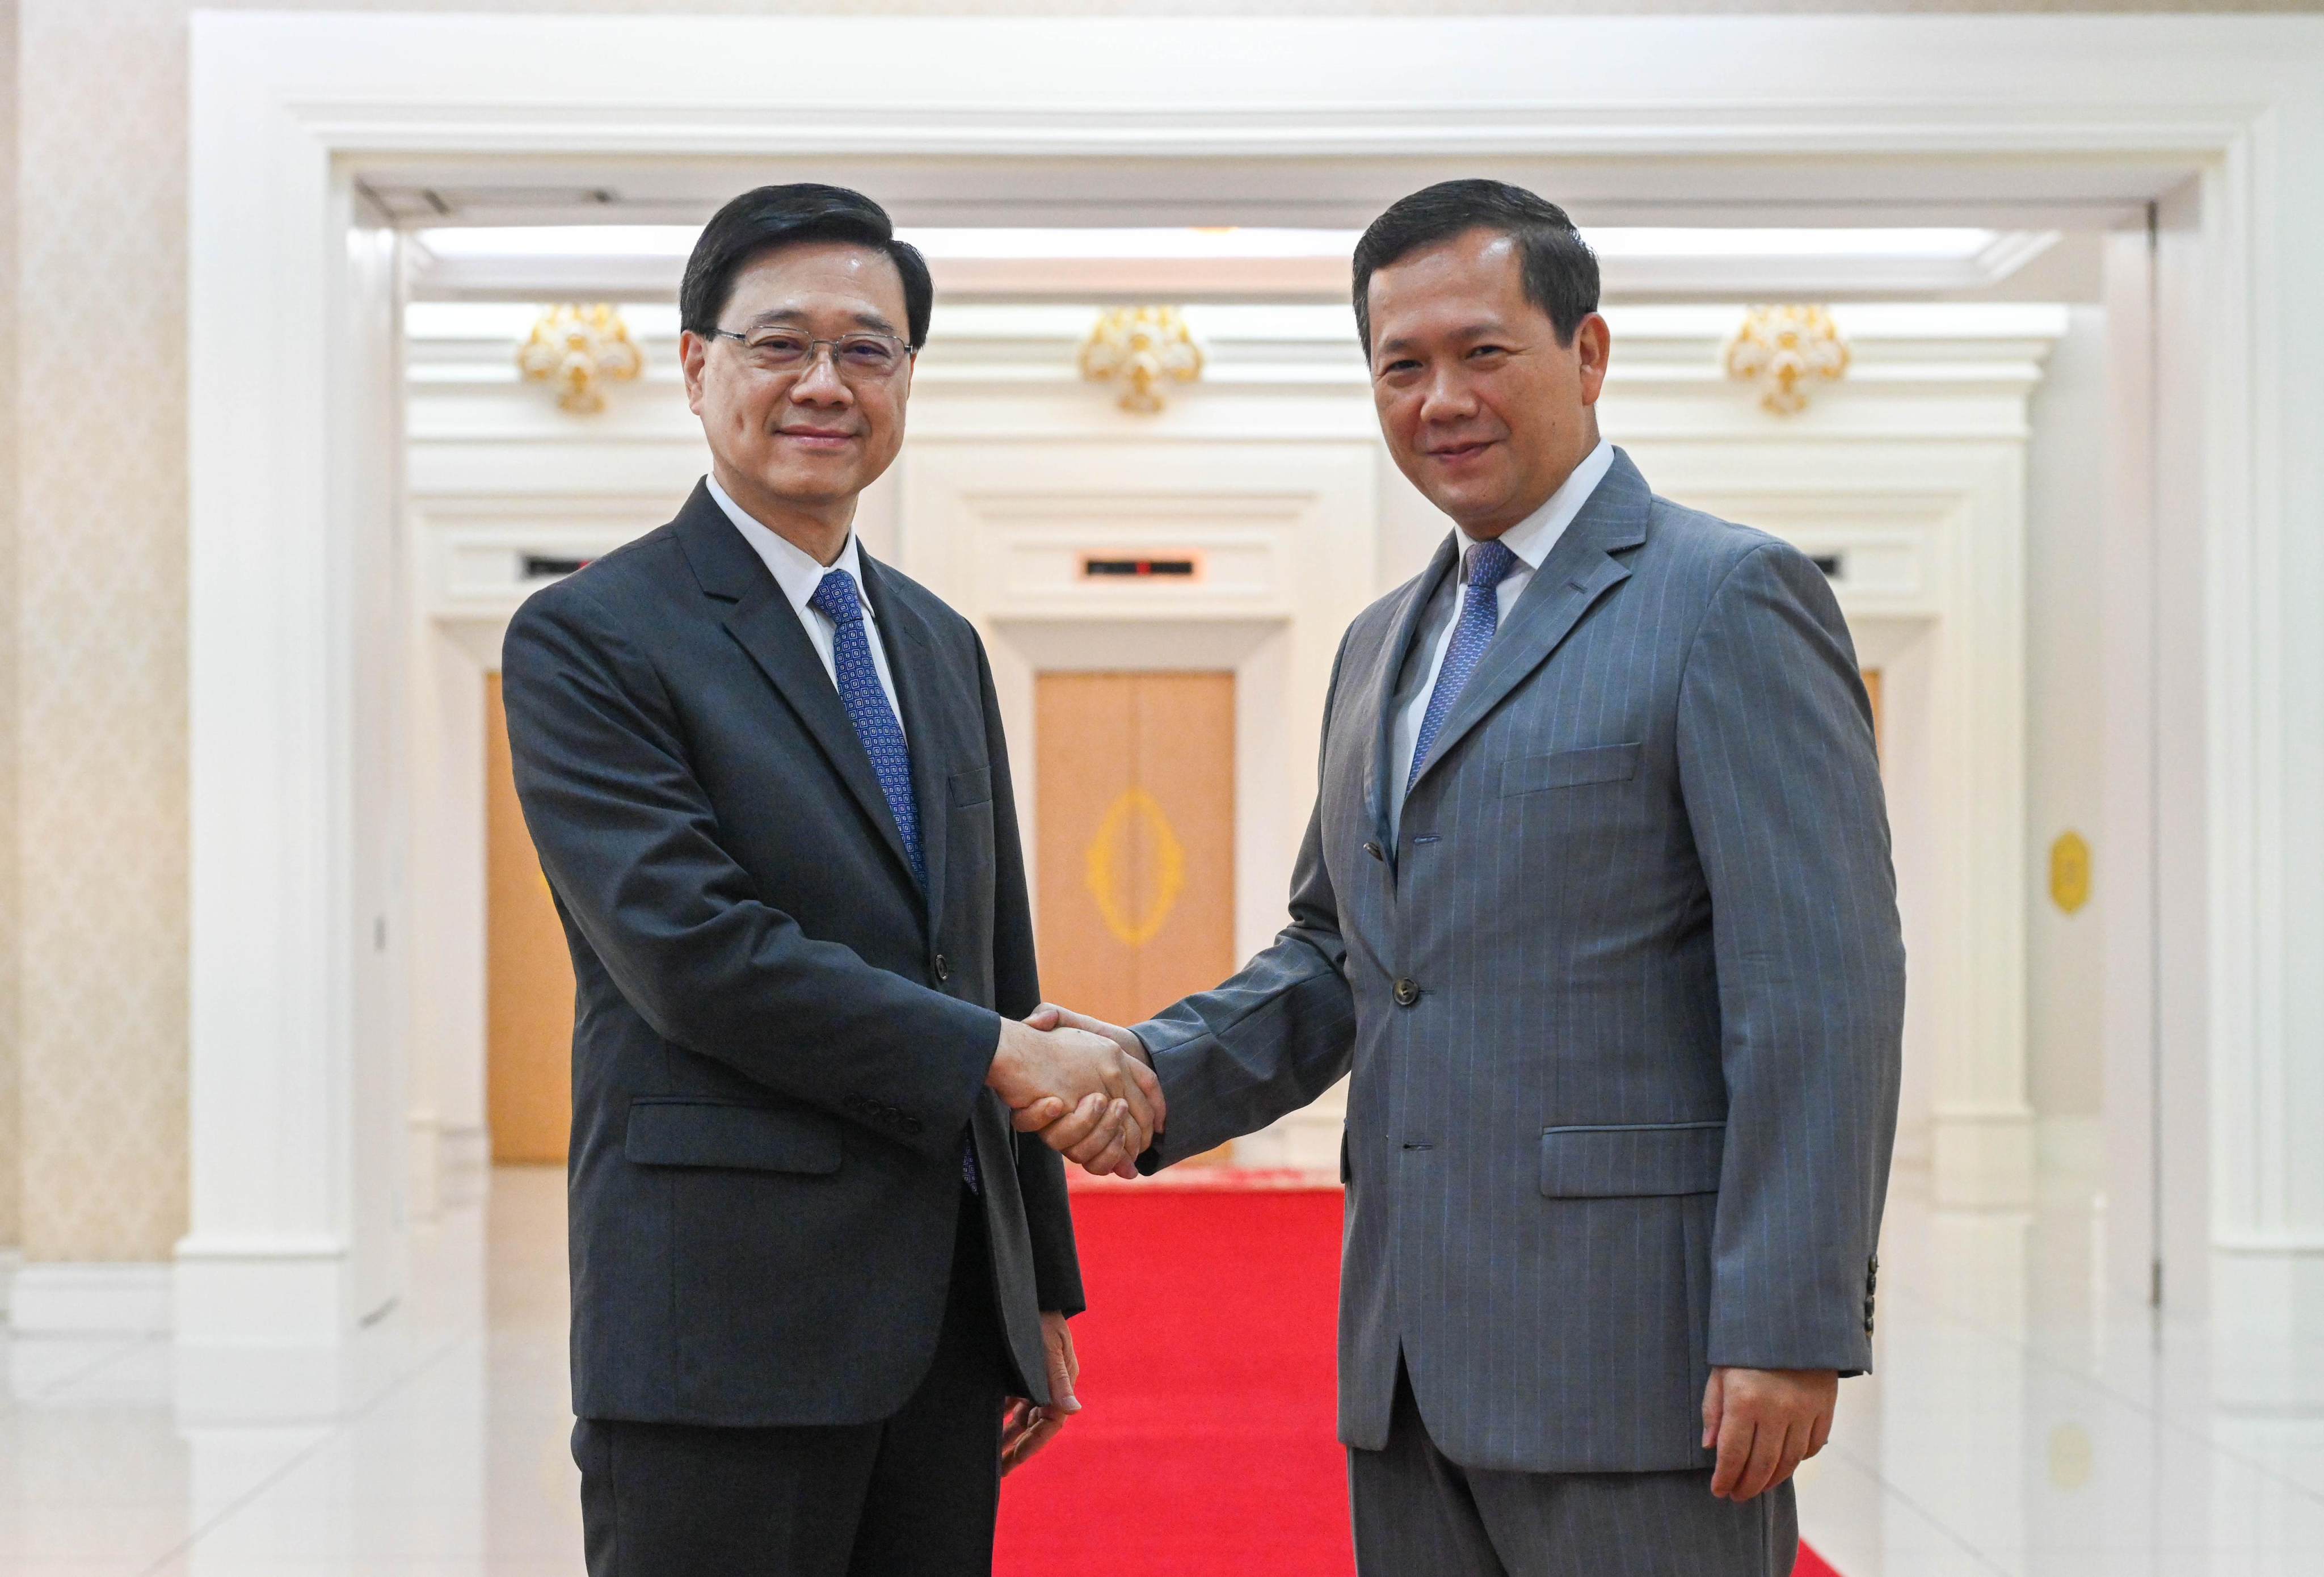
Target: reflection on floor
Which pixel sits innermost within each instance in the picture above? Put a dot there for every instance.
(2011, 1429)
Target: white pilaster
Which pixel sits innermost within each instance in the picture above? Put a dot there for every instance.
(295, 1094)
(2262, 710)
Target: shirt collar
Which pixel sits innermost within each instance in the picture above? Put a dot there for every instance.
(794, 568)
(1532, 538)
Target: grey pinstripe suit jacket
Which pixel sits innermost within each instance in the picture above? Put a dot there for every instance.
(1624, 1002)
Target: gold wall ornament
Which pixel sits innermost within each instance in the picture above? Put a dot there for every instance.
(1137, 347)
(1780, 348)
(1110, 851)
(573, 347)
(2070, 871)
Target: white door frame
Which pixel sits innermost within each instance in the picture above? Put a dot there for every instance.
(289, 110)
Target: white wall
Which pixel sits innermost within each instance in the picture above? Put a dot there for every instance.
(2067, 541)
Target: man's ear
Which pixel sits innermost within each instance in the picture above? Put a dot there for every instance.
(1593, 344)
(693, 351)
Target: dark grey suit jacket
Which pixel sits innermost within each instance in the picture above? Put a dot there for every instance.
(778, 1040)
(1624, 1001)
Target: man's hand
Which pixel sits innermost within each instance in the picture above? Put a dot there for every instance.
(1025, 1428)
(1764, 1422)
(1084, 1136)
(1111, 1099)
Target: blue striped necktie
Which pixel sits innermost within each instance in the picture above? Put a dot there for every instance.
(1489, 564)
(875, 722)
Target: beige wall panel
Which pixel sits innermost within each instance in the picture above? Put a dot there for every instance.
(101, 581)
(11, 1155)
(528, 975)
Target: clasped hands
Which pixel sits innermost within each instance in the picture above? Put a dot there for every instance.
(1081, 1084)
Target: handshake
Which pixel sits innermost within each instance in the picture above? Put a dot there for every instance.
(1084, 1085)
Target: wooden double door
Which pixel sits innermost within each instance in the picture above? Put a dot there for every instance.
(1135, 839)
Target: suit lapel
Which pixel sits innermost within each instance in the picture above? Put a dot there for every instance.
(912, 664)
(765, 626)
(1579, 570)
(1406, 628)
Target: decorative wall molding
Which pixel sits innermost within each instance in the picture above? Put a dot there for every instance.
(62, 1299)
(1662, 263)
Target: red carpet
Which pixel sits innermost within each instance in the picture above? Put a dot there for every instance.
(1207, 1370)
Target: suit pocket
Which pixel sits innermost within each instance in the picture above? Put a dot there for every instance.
(970, 786)
(666, 1131)
(1631, 1161)
(1599, 763)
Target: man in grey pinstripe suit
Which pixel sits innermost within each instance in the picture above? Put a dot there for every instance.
(1597, 902)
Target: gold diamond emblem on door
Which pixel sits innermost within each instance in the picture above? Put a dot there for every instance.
(1136, 827)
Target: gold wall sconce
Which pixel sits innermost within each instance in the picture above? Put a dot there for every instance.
(1782, 348)
(1138, 348)
(573, 347)
(2069, 872)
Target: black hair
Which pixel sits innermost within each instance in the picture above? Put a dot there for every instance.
(786, 215)
(1559, 270)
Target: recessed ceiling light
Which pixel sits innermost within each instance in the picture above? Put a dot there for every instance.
(1192, 243)
(1645, 241)
(562, 241)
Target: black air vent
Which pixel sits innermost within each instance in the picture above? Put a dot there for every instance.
(540, 566)
(1140, 568)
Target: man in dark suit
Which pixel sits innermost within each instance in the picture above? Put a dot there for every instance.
(820, 1285)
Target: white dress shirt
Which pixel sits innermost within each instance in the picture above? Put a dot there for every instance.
(797, 574)
(1531, 539)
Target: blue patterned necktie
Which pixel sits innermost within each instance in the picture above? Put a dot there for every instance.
(1490, 563)
(867, 707)
(883, 739)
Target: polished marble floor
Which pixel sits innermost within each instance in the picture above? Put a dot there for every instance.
(2016, 1426)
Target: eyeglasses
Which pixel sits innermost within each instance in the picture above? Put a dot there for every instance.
(857, 358)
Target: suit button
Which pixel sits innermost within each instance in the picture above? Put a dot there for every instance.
(1407, 993)
(1375, 851)
(943, 968)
